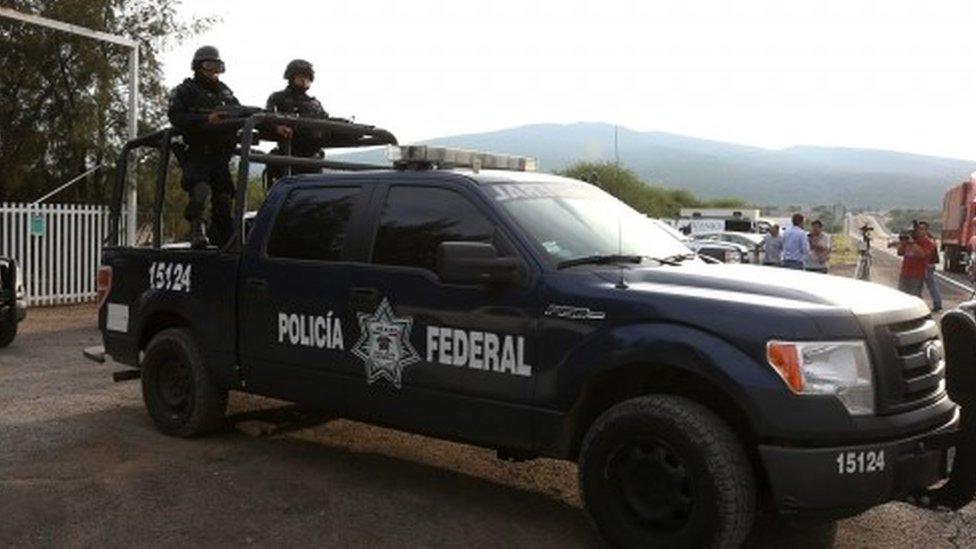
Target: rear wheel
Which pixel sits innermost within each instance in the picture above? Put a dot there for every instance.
(664, 471)
(180, 396)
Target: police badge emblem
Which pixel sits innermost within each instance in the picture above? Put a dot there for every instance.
(384, 344)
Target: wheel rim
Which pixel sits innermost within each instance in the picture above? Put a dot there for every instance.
(175, 387)
(651, 482)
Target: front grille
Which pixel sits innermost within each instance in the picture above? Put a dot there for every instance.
(919, 376)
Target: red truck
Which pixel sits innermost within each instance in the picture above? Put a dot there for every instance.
(958, 230)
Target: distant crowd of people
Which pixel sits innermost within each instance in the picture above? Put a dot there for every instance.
(796, 248)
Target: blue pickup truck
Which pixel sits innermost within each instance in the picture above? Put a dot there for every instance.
(463, 296)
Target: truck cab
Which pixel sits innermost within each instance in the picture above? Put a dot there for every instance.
(958, 219)
(463, 296)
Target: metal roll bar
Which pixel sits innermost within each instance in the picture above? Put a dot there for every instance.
(331, 133)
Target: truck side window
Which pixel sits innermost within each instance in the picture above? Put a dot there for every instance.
(416, 220)
(312, 223)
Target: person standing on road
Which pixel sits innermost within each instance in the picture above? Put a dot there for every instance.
(915, 252)
(796, 245)
(194, 109)
(772, 246)
(930, 282)
(295, 101)
(819, 257)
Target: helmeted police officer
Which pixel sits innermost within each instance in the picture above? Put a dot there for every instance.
(194, 107)
(294, 100)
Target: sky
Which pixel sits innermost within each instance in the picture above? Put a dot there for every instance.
(886, 74)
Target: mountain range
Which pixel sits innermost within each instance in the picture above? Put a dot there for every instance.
(801, 175)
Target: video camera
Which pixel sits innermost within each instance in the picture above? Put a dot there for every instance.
(908, 234)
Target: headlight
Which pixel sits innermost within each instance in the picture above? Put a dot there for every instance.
(733, 256)
(839, 368)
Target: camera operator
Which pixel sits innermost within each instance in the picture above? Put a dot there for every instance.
(915, 250)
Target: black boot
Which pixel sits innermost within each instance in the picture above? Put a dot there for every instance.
(198, 235)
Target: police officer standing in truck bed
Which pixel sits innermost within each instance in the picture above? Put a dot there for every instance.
(294, 100)
(194, 106)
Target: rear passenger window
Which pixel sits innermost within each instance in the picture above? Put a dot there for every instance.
(313, 223)
(416, 220)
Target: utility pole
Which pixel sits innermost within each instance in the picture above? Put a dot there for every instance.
(133, 46)
(616, 146)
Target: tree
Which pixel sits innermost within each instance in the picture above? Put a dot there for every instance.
(652, 200)
(64, 98)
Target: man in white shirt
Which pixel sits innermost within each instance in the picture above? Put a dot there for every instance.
(819, 257)
(772, 245)
(796, 246)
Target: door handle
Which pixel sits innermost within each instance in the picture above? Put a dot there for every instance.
(364, 299)
(257, 287)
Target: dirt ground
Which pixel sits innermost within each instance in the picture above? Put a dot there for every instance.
(81, 465)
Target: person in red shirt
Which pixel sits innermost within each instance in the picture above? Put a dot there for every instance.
(915, 250)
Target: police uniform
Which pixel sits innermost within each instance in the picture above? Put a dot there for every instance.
(296, 102)
(205, 163)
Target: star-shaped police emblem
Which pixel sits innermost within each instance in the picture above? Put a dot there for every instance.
(384, 344)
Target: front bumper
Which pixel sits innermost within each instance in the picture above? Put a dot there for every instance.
(21, 309)
(847, 479)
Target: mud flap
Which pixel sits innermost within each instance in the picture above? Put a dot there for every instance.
(959, 336)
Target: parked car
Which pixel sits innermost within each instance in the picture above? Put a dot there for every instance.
(726, 252)
(716, 250)
(750, 242)
(13, 302)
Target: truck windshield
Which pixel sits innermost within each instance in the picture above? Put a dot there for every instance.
(571, 220)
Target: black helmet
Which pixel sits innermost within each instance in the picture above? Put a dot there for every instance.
(206, 53)
(299, 66)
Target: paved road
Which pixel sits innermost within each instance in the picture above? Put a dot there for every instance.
(81, 465)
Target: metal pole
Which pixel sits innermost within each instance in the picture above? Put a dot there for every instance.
(67, 27)
(133, 87)
(132, 201)
(616, 150)
(68, 184)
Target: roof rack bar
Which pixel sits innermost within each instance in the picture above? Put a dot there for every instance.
(336, 133)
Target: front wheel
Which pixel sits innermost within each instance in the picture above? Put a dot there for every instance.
(665, 471)
(180, 396)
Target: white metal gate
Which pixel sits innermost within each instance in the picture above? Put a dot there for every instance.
(58, 248)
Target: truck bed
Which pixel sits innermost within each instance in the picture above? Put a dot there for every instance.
(149, 284)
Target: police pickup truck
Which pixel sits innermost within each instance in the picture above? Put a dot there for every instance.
(463, 296)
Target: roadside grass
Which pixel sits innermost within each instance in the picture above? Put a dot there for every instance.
(843, 250)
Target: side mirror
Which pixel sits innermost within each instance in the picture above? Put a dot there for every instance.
(474, 263)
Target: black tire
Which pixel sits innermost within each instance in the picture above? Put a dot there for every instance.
(664, 471)
(8, 330)
(180, 396)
